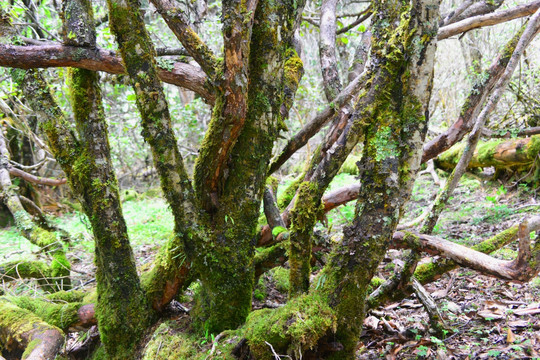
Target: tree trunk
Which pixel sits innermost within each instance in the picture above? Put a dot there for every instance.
(122, 310)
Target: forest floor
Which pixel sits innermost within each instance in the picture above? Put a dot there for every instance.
(487, 318)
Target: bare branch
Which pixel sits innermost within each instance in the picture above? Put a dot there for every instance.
(471, 8)
(35, 179)
(487, 20)
(364, 15)
(43, 56)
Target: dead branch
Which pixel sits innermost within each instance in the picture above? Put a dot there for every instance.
(476, 260)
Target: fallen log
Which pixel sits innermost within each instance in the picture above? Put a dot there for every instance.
(21, 331)
(500, 153)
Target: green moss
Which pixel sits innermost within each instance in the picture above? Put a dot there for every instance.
(291, 329)
(286, 197)
(533, 148)
(294, 68)
(350, 166)
(171, 341)
(30, 347)
(485, 151)
(278, 230)
(67, 296)
(129, 195)
(273, 183)
(61, 315)
(280, 277)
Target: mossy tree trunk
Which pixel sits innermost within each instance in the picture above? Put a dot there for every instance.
(216, 217)
(394, 136)
(274, 70)
(122, 310)
(392, 116)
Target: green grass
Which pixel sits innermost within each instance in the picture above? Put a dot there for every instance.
(149, 222)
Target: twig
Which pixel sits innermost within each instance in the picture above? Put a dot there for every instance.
(214, 345)
(276, 356)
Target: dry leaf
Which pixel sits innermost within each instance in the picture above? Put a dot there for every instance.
(518, 323)
(371, 322)
(510, 337)
(489, 315)
(529, 310)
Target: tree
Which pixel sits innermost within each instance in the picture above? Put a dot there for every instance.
(216, 211)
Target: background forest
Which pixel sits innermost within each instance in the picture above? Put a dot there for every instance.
(283, 195)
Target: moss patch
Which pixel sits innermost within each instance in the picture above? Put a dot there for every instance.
(291, 329)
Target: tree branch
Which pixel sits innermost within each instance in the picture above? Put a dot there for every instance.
(96, 59)
(35, 179)
(179, 24)
(487, 20)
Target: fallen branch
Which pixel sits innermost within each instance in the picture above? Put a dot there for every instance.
(517, 270)
(499, 153)
(22, 330)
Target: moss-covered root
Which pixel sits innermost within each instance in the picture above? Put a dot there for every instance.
(23, 332)
(170, 274)
(171, 341)
(56, 313)
(293, 329)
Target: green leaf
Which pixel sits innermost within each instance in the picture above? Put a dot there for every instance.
(362, 28)
(278, 230)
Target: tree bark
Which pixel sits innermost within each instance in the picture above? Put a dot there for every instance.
(96, 59)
